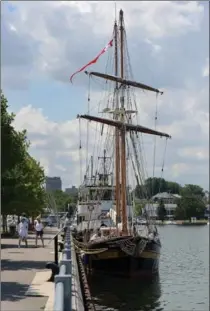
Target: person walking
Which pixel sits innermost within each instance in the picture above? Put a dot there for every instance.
(23, 231)
(39, 230)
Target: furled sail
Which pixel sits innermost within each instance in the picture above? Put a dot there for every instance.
(124, 81)
(126, 126)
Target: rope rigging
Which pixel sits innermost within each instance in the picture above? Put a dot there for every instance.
(163, 164)
(80, 149)
(154, 150)
(104, 137)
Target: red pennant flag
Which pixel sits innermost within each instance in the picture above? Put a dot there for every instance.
(109, 45)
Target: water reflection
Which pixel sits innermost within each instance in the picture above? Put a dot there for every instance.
(116, 294)
(184, 276)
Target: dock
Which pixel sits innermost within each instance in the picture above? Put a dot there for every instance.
(43, 278)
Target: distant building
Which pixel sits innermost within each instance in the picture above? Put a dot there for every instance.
(53, 183)
(207, 211)
(170, 203)
(72, 191)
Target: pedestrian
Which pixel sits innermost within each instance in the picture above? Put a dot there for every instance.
(23, 231)
(66, 223)
(13, 226)
(39, 230)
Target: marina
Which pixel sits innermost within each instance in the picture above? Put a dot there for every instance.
(120, 247)
(130, 232)
(183, 282)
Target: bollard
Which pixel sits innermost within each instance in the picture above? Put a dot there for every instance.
(67, 284)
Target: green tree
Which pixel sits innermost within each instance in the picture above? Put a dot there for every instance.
(173, 187)
(193, 190)
(161, 211)
(156, 185)
(138, 209)
(190, 206)
(62, 200)
(22, 177)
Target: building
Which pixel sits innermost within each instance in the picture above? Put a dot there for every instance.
(53, 183)
(170, 203)
(72, 191)
(207, 211)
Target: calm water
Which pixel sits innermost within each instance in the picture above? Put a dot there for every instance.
(183, 283)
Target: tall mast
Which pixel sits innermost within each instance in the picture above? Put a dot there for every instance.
(104, 165)
(117, 134)
(91, 168)
(123, 141)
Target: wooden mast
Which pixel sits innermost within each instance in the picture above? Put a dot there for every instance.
(104, 166)
(122, 132)
(117, 133)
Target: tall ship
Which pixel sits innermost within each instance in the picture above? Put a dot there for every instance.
(106, 234)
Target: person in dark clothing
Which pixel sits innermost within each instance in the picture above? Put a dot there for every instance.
(103, 224)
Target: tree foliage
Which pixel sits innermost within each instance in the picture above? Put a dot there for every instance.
(138, 209)
(193, 190)
(190, 206)
(22, 176)
(64, 202)
(156, 185)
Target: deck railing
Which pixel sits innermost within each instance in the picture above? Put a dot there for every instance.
(63, 281)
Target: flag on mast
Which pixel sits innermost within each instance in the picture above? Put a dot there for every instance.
(109, 45)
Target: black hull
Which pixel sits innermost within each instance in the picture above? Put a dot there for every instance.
(114, 261)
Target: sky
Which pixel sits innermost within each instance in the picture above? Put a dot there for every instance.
(44, 42)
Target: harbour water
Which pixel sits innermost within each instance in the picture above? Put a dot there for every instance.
(183, 282)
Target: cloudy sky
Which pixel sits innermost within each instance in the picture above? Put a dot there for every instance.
(44, 42)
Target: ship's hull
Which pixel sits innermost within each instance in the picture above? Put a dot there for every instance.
(116, 261)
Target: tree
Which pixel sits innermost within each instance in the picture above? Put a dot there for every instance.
(156, 185)
(22, 176)
(188, 207)
(13, 150)
(138, 209)
(62, 200)
(28, 193)
(173, 187)
(161, 211)
(193, 190)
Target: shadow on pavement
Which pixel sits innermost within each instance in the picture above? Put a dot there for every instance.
(8, 246)
(13, 265)
(8, 290)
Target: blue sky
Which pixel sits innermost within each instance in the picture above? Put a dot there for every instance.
(43, 43)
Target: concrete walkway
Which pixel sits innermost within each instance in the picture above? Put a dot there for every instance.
(21, 267)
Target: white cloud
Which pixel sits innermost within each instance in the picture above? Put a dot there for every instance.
(194, 152)
(205, 70)
(167, 48)
(156, 47)
(59, 35)
(57, 144)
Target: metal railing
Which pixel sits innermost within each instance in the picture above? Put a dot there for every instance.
(63, 280)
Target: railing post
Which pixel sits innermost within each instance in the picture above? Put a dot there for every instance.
(67, 283)
(63, 281)
(67, 263)
(56, 249)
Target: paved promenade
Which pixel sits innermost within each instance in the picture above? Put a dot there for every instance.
(24, 276)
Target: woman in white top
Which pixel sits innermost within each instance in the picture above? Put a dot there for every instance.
(23, 231)
(39, 230)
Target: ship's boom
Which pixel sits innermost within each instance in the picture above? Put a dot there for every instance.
(124, 81)
(126, 126)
